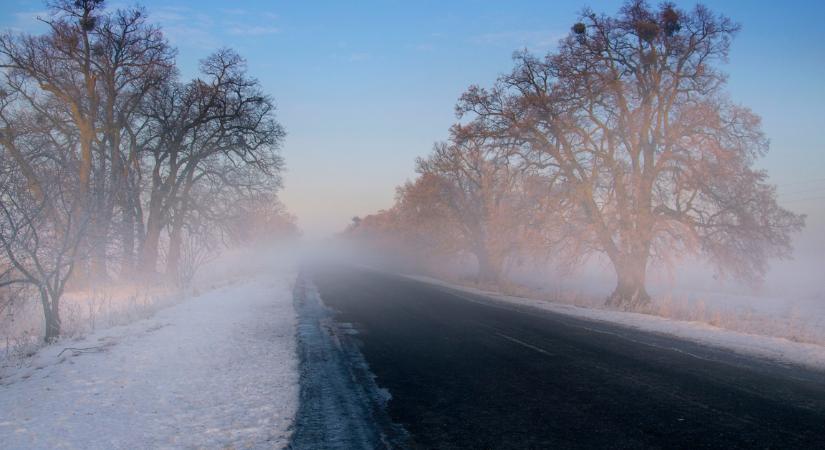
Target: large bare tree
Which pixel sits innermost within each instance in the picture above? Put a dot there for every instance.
(478, 199)
(132, 59)
(60, 65)
(220, 129)
(92, 69)
(630, 119)
(102, 148)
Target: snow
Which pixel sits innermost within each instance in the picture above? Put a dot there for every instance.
(216, 371)
(341, 405)
(789, 304)
(772, 348)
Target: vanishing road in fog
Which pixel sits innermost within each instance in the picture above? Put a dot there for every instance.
(467, 372)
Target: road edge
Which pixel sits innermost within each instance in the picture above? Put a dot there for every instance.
(340, 404)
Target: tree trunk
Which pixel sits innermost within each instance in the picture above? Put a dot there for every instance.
(630, 293)
(154, 225)
(82, 206)
(127, 237)
(127, 230)
(175, 243)
(99, 243)
(130, 237)
(489, 267)
(51, 314)
(149, 252)
(176, 234)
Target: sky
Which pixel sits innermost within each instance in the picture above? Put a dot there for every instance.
(363, 88)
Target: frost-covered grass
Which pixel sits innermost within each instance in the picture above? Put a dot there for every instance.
(789, 339)
(797, 318)
(82, 312)
(216, 370)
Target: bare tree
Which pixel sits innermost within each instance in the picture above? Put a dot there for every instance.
(630, 120)
(60, 63)
(102, 148)
(40, 234)
(132, 59)
(217, 130)
(39, 253)
(480, 195)
(419, 221)
(97, 66)
(256, 218)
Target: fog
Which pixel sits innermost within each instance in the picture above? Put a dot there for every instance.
(645, 194)
(340, 225)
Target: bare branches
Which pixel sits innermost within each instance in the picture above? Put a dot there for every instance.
(218, 130)
(78, 350)
(630, 114)
(103, 150)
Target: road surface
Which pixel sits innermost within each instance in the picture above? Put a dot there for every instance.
(468, 372)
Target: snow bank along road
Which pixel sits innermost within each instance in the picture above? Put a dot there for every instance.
(466, 371)
(217, 371)
(340, 407)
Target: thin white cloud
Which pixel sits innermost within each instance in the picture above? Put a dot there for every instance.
(428, 42)
(426, 47)
(350, 57)
(358, 57)
(27, 21)
(169, 14)
(257, 30)
(185, 26)
(235, 11)
(539, 40)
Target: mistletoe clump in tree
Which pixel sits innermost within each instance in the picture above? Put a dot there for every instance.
(650, 160)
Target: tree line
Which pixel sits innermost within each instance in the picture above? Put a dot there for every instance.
(621, 143)
(114, 168)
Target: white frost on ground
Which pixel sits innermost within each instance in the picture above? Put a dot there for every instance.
(773, 348)
(216, 371)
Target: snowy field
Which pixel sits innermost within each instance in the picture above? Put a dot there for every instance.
(774, 348)
(218, 370)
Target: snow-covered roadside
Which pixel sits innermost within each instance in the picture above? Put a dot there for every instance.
(777, 349)
(218, 370)
(341, 406)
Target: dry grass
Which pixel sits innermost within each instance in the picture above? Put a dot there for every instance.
(794, 324)
(82, 312)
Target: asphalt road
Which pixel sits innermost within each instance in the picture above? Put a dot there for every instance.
(467, 372)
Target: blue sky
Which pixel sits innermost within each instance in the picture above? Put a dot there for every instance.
(365, 87)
